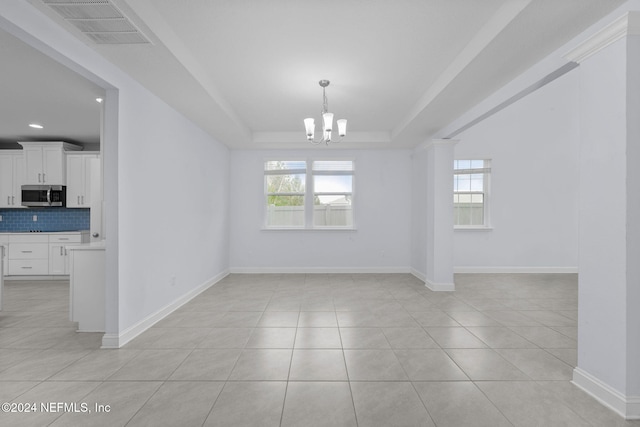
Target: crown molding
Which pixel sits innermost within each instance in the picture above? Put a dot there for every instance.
(627, 25)
(432, 143)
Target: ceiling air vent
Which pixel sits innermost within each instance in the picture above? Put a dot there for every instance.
(99, 20)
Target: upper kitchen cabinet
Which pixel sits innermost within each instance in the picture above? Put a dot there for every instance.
(11, 178)
(79, 172)
(45, 162)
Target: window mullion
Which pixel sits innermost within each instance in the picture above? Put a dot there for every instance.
(308, 198)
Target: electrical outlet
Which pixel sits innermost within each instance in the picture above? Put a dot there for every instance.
(35, 218)
(0, 218)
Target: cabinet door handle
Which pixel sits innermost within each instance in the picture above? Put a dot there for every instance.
(60, 250)
(8, 200)
(43, 180)
(63, 238)
(27, 268)
(13, 200)
(39, 177)
(26, 252)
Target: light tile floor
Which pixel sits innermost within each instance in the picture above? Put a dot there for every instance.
(309, 350)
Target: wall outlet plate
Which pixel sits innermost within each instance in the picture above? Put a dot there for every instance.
(35, 218)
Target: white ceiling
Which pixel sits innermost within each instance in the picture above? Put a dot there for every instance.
(37, 89)
(247, 71)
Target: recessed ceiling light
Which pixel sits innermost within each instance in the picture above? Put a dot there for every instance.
(36, 126)
(99, 100)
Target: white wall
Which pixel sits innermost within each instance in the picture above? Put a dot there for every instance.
(609, 323)
(533, 147)
(382, 200)
(166, 184)
(173, 186)
(602, 341)
(633, 211)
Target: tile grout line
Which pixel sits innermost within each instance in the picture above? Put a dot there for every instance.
(286, 388)
(344, 360)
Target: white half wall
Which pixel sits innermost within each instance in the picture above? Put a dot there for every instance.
(533, 199)
(382, 199)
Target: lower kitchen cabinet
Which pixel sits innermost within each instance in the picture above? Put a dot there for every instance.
(39, 254)
(4, 252)
(58, 254)
(28, 254)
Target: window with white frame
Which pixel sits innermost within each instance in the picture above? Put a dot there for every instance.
(284, 186)
(332, 193)
(323, 201)
(470, 193)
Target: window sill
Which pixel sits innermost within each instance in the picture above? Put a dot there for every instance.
(310, 229)
(473, 228)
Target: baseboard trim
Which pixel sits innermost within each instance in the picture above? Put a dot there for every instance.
(440, 287)
(626, 406)
(525, 270)
(317, 270)
(119, 340)
(436, 287)
(418, 274)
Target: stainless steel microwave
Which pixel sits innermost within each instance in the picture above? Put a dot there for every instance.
(44, 195)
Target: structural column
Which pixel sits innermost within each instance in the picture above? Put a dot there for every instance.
(433, 214)
(609, 216)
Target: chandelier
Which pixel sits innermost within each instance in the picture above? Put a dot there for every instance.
(327, 121)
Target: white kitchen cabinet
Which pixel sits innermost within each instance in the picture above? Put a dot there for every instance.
(28, 254)
(39, 254)
(58, 254)
(79, 168)
(11, 178)
(4, 242)
(45, 162)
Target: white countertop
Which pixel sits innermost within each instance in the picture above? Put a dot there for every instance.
(44, 232)
(93, 246)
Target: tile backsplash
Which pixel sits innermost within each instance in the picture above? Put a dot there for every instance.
(47, 219)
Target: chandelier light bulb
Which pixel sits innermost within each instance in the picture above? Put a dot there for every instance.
(327, 120)
(342, 127)
(310, 127)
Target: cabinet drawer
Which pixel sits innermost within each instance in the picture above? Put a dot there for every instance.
(28, 267)
(65, 238)
(28, 251)
(29, 238)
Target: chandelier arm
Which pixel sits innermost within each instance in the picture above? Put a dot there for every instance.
(326, 141)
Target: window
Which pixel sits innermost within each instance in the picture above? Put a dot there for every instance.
(470, 193)
(332, 193)
(323, 201)
(284, 183)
